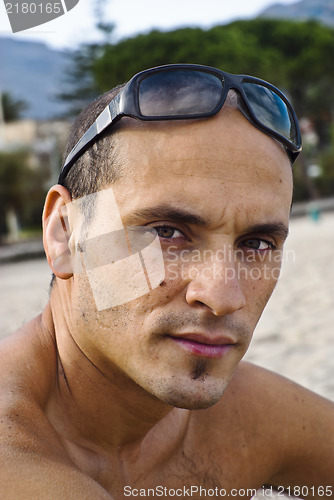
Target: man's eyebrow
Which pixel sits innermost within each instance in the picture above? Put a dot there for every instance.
(165, 212)
(274, 228)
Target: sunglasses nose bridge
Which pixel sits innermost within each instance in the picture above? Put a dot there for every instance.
(241, 100)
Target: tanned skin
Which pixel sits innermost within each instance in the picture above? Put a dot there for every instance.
(96, 401)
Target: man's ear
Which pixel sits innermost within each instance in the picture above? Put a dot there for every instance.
(56, 231)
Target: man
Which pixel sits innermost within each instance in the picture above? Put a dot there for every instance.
(164, 235)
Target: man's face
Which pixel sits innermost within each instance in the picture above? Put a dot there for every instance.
(218, 193)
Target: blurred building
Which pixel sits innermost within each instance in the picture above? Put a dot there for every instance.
(42, 144)
(44, 140)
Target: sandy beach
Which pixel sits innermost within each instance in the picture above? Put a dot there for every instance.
(295, 334)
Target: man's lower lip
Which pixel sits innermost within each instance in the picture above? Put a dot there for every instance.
(199, 349)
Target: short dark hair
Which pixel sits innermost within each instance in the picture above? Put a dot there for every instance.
(96, 168)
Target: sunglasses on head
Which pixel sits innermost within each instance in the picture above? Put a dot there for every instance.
(189, 91)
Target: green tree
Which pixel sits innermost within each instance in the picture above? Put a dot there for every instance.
(225, 47)
(12, 108)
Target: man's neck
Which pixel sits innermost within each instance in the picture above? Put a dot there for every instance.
(90, 408)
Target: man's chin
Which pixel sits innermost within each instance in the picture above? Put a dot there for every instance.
(198, 398)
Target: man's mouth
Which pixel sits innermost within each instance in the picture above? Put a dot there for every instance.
(204, 345)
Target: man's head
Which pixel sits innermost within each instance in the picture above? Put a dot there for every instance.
(217, 192)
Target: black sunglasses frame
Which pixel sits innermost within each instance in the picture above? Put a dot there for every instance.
(126, 103)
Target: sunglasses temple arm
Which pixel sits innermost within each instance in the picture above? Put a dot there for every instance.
(104, 120)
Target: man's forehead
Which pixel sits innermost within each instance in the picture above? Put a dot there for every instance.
(225, 128)
(225, 147)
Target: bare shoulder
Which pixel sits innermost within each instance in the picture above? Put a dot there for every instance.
(28, 442)
(280, 404)
(261, 393)
(264, 390)
(27, 366)
(282, 425)
(304, 424)
(271, 391)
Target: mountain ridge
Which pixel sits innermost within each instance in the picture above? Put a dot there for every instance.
(35, 73)
(302, 10)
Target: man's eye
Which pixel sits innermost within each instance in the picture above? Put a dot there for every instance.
(168, 232)
(258, 244)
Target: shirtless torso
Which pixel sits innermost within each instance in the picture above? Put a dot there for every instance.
(264, 431)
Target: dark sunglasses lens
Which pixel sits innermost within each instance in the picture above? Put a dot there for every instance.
(270, 110)
(179, 92)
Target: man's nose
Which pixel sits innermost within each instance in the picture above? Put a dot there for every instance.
(215, 286)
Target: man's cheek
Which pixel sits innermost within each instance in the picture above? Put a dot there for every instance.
(121, 263)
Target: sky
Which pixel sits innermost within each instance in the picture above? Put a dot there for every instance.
(132, 17)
